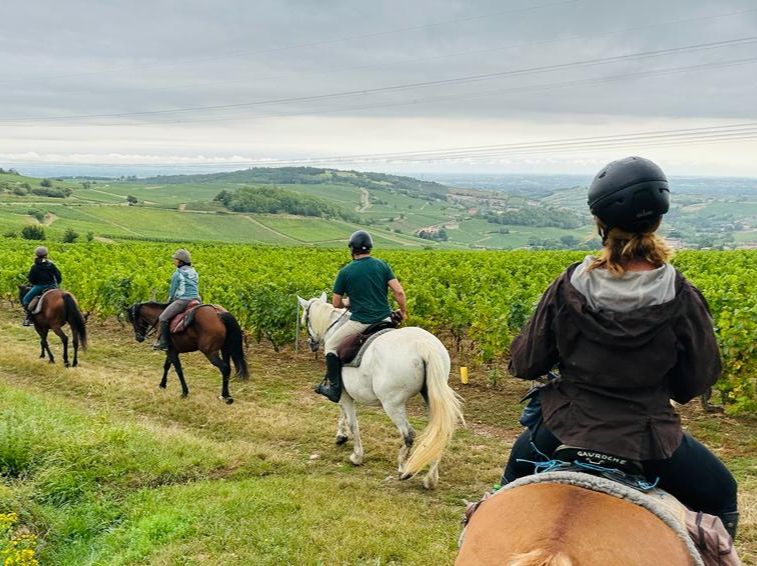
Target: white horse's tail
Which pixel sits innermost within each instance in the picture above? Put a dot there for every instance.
(445, 411)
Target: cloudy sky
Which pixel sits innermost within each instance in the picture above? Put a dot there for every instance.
(495, 86)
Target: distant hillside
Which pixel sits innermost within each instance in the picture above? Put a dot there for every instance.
(307, 176)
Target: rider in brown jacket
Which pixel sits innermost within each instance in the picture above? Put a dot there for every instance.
(627, 333)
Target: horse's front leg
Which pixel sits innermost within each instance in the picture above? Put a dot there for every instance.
(64, 339)
(45, 345)
(350, 411)
(342, 428)
(225, 370)
(177, 366)
(166, 367)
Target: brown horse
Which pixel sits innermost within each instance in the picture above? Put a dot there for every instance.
(551, 524)
(58, 308)
(215, 334)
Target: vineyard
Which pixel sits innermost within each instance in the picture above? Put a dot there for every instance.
(475, 301)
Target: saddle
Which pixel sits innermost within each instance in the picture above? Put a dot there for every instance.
(351, 348)
(184, 319)
(35, 306)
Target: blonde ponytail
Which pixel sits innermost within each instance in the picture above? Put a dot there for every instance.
(620, 247)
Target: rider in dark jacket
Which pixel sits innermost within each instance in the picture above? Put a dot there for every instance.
(628, 333)
(43, 275)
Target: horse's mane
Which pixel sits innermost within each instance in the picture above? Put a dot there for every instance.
(319, 316)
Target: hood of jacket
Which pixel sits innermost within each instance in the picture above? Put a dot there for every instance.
(624, 312)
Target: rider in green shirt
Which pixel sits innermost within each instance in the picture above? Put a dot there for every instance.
(366, 281)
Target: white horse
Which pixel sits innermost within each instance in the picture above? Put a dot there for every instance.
(395, 367)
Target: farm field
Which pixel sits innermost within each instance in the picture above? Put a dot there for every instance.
(108, 469)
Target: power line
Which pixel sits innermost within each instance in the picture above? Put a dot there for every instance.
(426, 59)
(540, 88)
(406, 86)
(651, 138)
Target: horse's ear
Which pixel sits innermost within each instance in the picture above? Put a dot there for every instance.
(303, 302)
(324, 297)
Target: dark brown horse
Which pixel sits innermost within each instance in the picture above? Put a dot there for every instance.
(215, 334)
(59, 308)
(550, 524)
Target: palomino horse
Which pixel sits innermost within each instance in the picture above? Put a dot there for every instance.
(395, 367)
(551, 524)
(58, 308)
(215, 334)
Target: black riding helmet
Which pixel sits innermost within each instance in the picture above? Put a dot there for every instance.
(631, 194)
(360, 241)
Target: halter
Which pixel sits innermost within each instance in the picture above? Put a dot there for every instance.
(144, 330)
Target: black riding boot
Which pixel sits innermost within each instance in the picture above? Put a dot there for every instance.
(164, 337)
(28, 318)
(333, 389)
(730, 522)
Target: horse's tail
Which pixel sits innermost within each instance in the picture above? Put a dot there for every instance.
(445, 410)
(541, 557)
(233, 344)
(75, 319)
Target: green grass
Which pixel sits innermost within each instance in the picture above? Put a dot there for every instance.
(108, 469)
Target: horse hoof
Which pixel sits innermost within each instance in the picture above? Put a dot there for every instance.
(404, 477)
(355, 460)
(51, 361)
(429, 484)
(184, 395)
(341, 439)
(227, 400)
(162, 385)
(67, 365)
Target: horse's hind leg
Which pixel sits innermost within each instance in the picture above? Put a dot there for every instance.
(177, 366)
(432, 476)
(166, 367)
(350, 411)
(225, 370)
(63, 338)
(76, 350)
(342, 428)
(398, 414)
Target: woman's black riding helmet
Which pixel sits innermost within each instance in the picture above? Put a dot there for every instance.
(631, 194)
(360, 241)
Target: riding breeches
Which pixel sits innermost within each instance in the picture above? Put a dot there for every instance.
(174, 308)
(349, 328)
(692, 474)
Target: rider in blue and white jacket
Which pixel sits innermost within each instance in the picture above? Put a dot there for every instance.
(183, 289)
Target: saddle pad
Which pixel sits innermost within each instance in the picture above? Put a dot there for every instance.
(666, 507)
(355, 362)
(36, 305)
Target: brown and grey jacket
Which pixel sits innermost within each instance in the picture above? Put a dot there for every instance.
(618, 370)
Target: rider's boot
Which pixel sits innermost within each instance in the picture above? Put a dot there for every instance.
(163, 337)
(28, 317)
(333, 389)
(730, 522)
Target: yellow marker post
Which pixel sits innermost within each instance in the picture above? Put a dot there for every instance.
(463, 375)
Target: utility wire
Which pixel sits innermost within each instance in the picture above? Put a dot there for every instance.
(406, 86)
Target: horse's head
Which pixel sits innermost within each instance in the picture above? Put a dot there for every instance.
(23, 290)
(142, 319)
(315, 318)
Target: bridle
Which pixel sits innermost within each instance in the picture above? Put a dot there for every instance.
(142, 328)
(314, 342)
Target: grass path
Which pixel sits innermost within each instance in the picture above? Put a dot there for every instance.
(112, 470)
